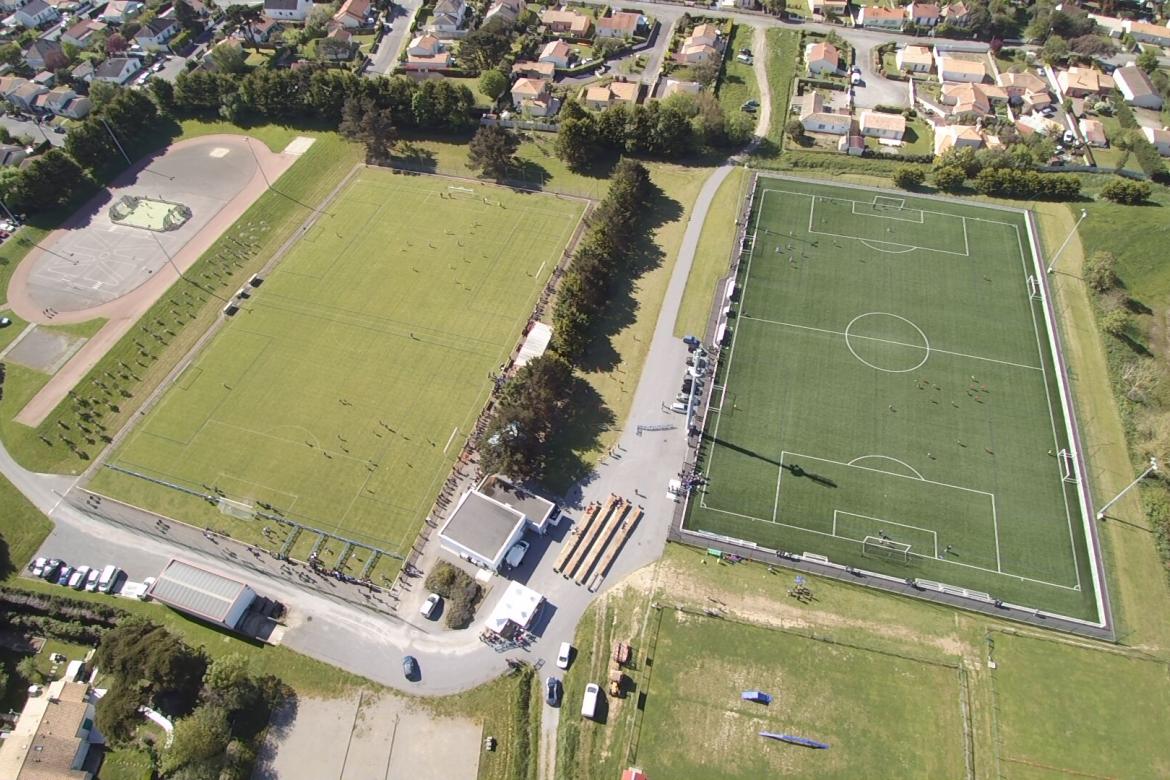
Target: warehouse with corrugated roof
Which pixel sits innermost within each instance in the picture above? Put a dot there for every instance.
(202, 593)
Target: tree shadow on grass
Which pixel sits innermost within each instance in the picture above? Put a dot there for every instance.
(622, 310)
(579, 430)
(410, 156)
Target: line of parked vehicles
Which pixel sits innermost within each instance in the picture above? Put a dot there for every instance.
(88, 578)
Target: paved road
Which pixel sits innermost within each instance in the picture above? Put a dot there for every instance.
(385, 58)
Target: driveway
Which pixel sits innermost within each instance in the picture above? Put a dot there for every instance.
(878, 90)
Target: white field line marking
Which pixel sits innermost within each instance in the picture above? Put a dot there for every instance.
(920, 221)
(887, 457)
(1052, 416)
(890, 341)
(813, 231)
(836, 512)
(905, 247)
(450, 439)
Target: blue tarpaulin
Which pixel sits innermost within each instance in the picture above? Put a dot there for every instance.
(803, 741)
(760, 696)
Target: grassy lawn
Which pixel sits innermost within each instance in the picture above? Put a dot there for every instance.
(323, 373)
(1101, 719)
(22, 529)
(917, 411)
(481, 100)
(9, 334)
(126, 764)
(918, 139)
(713, 256)
(738, 82)
(141, 361)
(862, 703)
(783, 61)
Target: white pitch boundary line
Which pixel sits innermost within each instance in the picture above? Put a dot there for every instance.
(920, 221)
(450, 439)
(931, 348)
(1052, 416)
(924, 211)
(887, 473)
(837, 512)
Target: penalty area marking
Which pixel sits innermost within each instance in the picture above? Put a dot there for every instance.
(873, 245)
(887, 457)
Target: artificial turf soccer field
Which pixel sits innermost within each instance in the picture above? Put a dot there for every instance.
(345, 387)
(889, 372)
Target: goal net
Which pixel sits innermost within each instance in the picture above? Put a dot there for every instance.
(236, 509)
(885, 549)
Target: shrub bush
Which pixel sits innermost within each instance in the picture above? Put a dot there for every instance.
(1126, 191)
(460, 590)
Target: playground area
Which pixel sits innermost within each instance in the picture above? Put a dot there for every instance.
(340, 394)
(161, 211)
(871, 709)
(890, 397)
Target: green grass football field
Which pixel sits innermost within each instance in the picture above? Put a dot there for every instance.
(867, 706)
(890, 377)
(345, 387)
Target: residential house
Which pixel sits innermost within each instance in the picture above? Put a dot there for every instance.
(44, 54)
(52, 737)
(557, 53)
(967, 98)
(1137, 88)
(154, 34)
(45, 78)
(680, 87)
(822, 58)
(612, 94)
(816, 119)
(851, 143)
(340, 47)
(1093, 132)
(11, 154)
(1026, 91)
(703, 35)
(267, 31)
(1112, 25)
(447, 19)
(83, 34)
(876, 124)
(957, 137)
(1159, 138)
(914, 59)
(63, 101)
(620, 24)
(353, 14)
(426, 53)
(957, 14)
(23, 93)
(10, 6)
(288, 10)
(828, 7)
(121, 11)
(533, 97)
(959, 70)
(923, 14)
(84, 71)
(35, 14)
(1078, 82)
(506, 11)
(1144, 32)
(879, 18)
(570, 23)
(117, 70)
(534, 70)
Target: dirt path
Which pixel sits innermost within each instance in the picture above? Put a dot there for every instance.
(125, 311)
(759, 61)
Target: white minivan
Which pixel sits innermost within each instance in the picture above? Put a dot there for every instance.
(108, 578)
(589, 704)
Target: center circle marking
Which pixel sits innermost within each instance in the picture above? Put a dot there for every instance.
(925, 343)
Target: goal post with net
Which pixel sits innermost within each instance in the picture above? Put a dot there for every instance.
(885, 549)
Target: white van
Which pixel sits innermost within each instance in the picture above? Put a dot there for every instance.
(589, 705)
(108, 578)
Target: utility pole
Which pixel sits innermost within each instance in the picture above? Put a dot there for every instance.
(1149, 470)
(116, 141)
(1071, 233)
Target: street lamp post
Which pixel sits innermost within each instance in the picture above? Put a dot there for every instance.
(1149, 470)
(1071, 233)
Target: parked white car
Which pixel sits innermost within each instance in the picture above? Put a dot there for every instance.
(428, 607)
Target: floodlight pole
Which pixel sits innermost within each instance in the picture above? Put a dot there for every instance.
(1071, 233)
(116, 141)
(1149, 470)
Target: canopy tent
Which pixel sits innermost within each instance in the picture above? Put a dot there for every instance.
(515, 610)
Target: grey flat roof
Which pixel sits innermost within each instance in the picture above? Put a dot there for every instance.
(482, 525)
(199, 591)
(529, 504)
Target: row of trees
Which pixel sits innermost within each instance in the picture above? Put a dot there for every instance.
(532, 404)
(222, 708)
(676, 127)
(998, 173)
